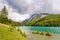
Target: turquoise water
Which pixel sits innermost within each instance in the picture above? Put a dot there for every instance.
(55, 30)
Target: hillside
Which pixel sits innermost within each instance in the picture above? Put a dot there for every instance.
(49, 20)
(9, 33)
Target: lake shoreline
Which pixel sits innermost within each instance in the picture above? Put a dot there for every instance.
(31, 36)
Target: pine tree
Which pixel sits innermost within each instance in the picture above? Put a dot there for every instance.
(4, 13)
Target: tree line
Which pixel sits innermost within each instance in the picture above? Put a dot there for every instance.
(4, 18)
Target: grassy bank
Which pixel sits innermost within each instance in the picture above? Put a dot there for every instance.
(9, 33)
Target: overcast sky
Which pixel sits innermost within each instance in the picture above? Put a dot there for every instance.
(20, 10)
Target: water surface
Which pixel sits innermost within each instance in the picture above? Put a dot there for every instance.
(55, 30)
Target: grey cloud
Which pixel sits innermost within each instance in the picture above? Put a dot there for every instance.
(16, 6)
(44, 6)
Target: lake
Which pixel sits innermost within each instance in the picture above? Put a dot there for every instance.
(54, 30)
(30, 36)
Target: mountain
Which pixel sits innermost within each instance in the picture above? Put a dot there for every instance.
(35, 17)
(49, 20)
(31, 18)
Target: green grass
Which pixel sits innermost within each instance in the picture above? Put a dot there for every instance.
(9, 33)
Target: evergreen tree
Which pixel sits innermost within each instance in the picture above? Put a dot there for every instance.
(4, 13)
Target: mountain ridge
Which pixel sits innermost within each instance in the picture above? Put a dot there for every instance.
(49, 20)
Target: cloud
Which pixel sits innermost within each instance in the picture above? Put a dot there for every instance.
(56, 5)
(1, 4)
(26, 6)
(17, 17)
(20, 10)
(20, 6)
(12, 13)
(33, 6)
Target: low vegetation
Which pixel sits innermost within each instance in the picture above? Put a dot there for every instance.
(48, 34)
(7, 28)
(42, 33)
(9, 33)
(23, 34)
